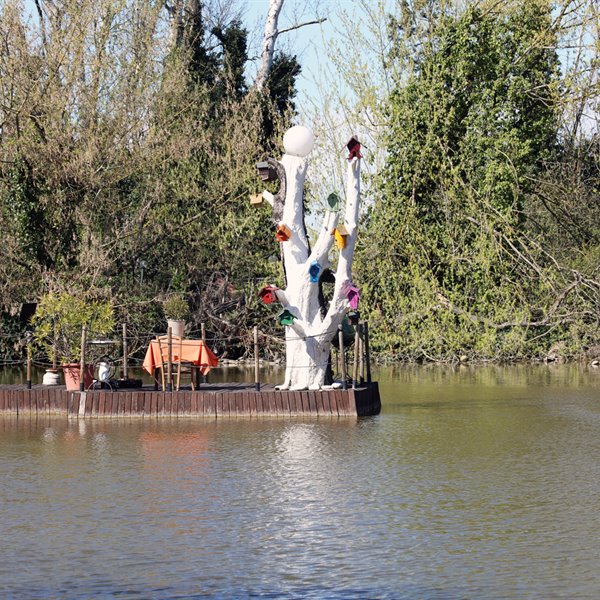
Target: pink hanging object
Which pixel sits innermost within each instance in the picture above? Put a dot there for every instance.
(352, 294)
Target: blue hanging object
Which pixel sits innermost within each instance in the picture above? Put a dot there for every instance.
(314, 271)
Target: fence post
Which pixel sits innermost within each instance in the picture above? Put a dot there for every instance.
(169, 360)
(362, 353)
(203, 335)
(125, 350)
(54, 357)
(28, 360)
(256, 361)
(367, 352)
(82, 359)
(343, 356)
(356, 352)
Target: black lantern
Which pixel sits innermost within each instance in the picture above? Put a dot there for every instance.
(353, 317)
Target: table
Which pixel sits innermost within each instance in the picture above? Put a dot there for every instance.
(192, 351)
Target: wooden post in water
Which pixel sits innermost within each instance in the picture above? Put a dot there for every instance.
(28, 360)
(356, 352)
(125, 350)
(82, 359)
(367, 354)
(256, 361)
(203, 335)
(169, 360)
(342, 356)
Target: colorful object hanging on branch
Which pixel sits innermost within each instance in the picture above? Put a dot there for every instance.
(268, 294)
(285, 317)
(256, 198)
(354, 147)
(352, 294)
(283, 232)
(266, 172)
(340, 233)
(314, 271)
(333, 200)
(340, 240)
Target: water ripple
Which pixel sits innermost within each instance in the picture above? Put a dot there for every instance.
(488, 495)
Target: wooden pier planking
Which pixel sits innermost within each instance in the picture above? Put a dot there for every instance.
(211, 400)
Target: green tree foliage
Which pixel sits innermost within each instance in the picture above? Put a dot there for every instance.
(473, 127)
(127, 155)
(58, 321)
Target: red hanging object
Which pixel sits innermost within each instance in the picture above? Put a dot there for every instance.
(268, 294)
(354, 147)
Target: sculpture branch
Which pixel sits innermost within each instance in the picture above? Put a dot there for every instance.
(344, 268)
(320, 253)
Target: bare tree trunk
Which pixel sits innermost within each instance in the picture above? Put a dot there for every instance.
(268, 45)
(175, 10)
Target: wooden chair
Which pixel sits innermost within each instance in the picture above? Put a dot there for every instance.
(163, 363)
(183, 367)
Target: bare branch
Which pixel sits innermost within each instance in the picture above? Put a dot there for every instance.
(299, 25)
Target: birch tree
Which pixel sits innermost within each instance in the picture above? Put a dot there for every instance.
(268, 43)
(270, 36)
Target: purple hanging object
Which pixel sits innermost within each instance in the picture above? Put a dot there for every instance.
(352, 294)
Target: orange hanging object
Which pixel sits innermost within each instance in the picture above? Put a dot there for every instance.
(340, 234)
(283, 233)
(256, 199)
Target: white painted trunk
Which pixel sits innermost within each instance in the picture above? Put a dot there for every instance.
(308, 339)
(306, 363)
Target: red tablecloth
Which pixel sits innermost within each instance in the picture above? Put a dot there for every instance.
(193, 351)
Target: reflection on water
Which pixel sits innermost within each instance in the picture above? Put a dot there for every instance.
(472, 483)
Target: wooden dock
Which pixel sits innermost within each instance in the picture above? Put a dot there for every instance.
(211, 400)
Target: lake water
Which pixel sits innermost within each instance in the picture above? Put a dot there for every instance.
(472, 483)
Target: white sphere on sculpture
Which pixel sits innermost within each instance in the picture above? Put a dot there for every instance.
(298, 141)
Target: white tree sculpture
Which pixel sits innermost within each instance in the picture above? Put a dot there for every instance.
(309, 327)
